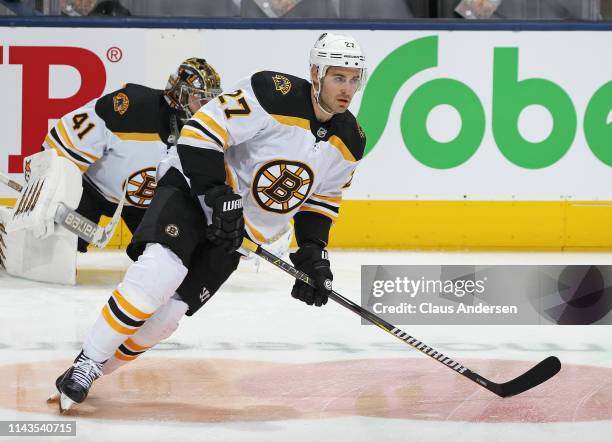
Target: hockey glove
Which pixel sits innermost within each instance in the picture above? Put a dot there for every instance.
(312, 259)
(227, 226)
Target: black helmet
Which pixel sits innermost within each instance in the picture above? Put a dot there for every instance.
(194, 78)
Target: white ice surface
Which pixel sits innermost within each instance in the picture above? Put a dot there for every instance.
(254, 318)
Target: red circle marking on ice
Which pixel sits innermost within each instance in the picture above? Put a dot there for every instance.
(218, 390)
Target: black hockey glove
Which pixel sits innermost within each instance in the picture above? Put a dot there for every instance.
(312, 259)
(227, 226)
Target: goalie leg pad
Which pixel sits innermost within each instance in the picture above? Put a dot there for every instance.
(22, 254)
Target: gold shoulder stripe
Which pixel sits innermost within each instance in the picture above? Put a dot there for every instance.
(137, 136)
(292, 121)
(64, 136)
(335, 141)
(212, 124)
(186, 132)
(50, 142)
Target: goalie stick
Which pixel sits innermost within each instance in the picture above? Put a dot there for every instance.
(541, 372)
(76, 223)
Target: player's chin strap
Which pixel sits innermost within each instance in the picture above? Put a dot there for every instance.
(317, 93)
(78, 224)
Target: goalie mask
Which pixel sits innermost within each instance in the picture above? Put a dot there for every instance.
(195, 82)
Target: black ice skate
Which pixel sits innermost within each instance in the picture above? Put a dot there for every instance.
(74, 384)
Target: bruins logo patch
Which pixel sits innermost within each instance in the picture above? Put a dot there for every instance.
(141, 187)
(281, 185)
(172, 230)
(121, 102)
(282, 84)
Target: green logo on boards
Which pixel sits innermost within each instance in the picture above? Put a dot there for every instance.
(510, 97)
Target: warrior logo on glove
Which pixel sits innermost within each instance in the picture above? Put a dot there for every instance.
(232, 205)
(227, 224)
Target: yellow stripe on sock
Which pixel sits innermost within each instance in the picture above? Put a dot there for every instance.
(123, 357)
(114, 324)
(129, 307)
(133, 346)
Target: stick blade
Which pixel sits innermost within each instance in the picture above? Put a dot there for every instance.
(542, 372)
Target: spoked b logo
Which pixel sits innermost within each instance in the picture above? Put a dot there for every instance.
(282, 185)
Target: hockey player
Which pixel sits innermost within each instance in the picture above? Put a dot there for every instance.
(278, 147)
(118, 139)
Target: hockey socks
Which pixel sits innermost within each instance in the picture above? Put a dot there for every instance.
(118, 320)
(147, 285)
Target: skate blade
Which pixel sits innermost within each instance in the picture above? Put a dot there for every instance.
(53, 396)
(65, 403)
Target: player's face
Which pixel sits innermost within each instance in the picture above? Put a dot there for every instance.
(338, 88)
(195, 102)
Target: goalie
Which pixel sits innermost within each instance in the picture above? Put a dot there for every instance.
(118, 139)
(115, 142)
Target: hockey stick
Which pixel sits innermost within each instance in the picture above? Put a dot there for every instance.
(76, 223)
(9, 182)
(541, 372)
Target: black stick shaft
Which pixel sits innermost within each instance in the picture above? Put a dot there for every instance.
(374, 319)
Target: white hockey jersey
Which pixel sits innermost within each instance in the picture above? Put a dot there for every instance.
(119, 137)
(277, 155)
